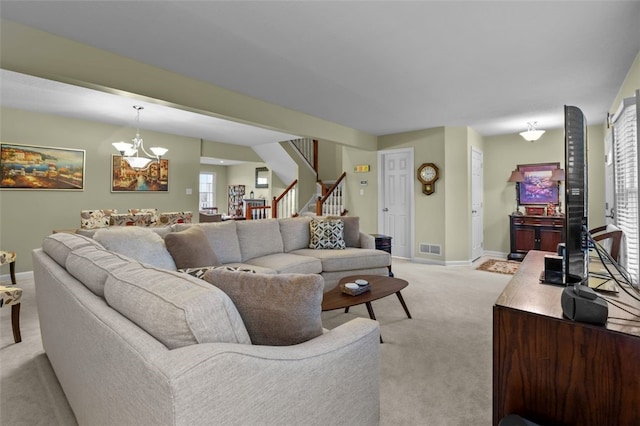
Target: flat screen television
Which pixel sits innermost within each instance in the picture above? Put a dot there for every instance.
(576, 251)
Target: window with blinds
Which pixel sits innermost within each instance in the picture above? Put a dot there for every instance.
(626, 180)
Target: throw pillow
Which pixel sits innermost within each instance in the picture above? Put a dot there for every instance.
(277, 310)
(190, 248)
(351, 229)
(138, 243)
(199, 272)
(326, 234)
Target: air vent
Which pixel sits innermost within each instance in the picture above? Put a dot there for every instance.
(435, 249)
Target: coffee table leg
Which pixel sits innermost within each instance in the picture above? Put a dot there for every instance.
(346, 310)
(404, 305)
(372, 316)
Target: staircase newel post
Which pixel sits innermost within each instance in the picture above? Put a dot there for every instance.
(274, 208)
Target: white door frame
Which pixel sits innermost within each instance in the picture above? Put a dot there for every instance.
(480, 207)
(411, 195)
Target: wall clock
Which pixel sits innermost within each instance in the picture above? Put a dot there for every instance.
(428, 174)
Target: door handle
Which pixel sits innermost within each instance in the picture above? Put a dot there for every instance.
(385, 209)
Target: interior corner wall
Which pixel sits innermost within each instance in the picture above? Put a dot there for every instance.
(27, 216)
(458, 189)
(306, 176)
(361, 200)
(429, 210)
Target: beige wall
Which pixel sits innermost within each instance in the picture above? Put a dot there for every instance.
(630, 84)
(504, 153)
(364, 206)
(27, 216)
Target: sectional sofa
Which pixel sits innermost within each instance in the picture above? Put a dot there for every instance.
(268, 246)
(136, 344)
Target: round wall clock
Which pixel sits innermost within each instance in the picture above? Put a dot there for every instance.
(428, 174)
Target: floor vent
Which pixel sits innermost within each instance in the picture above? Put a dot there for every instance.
(431, 249)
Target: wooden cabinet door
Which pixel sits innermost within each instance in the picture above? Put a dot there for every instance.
(549, 239)
(525, 239)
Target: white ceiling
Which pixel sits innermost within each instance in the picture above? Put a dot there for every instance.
(381, 67)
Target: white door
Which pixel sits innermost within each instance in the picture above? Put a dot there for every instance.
(477, 194)
(396, 207)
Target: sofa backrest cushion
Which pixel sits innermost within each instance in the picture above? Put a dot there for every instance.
(175, 308)
(278, 310)
(58, 246)
(259, 238)
(351, 229)
(295, 232)
(141, 244)
(190, 248)
(222, 237)
(91, 265)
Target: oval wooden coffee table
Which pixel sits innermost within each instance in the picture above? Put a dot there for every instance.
(380, 286)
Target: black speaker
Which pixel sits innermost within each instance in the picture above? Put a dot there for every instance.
(580, 303)
(553, 270)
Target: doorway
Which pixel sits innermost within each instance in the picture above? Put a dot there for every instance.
(477, 204)
(395, 199)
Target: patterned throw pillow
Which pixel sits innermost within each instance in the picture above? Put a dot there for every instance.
(326, 234)
(199, 272)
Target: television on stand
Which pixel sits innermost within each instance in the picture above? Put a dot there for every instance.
(576, 248)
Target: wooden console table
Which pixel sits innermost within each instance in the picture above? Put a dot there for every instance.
(534, 233)
(552, 370)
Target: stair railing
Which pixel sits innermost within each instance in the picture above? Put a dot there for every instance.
(258, 212)
(285, 204)
(308, 149)
(333, 202)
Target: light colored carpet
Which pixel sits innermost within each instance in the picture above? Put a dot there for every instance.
(435, 368)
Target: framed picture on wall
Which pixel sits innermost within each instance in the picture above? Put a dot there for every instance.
(124, 178)
(32, 167)
(538, 188)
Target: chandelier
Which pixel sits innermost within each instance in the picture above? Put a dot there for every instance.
(130, 151)
(531, 134)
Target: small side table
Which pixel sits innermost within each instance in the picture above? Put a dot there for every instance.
(383, 242)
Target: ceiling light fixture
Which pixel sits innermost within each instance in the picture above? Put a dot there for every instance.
(130, 150)
(532, 134)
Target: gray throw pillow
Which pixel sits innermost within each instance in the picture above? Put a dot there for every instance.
(191, 249)
(277, 310)
(138, 243)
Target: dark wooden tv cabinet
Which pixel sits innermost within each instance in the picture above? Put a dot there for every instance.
(551, 370)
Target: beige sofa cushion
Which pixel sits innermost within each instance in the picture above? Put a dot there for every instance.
(277, 310)
(222, 237)
(59, 246)
(92, 265)
(287, 263)
(351, 229)
(175, 308)
(348, 259)
(139, 243)
(295, 232)
(191, 249)
(259, 238)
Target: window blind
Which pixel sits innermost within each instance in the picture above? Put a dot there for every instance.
(626, 180)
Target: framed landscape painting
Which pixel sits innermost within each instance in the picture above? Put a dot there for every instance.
(124, 178)
(40, 167)
(538, 188)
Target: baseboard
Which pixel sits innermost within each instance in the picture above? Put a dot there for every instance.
(19, 275)
(498, 254)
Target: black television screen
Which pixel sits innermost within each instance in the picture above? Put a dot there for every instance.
(576, 256)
